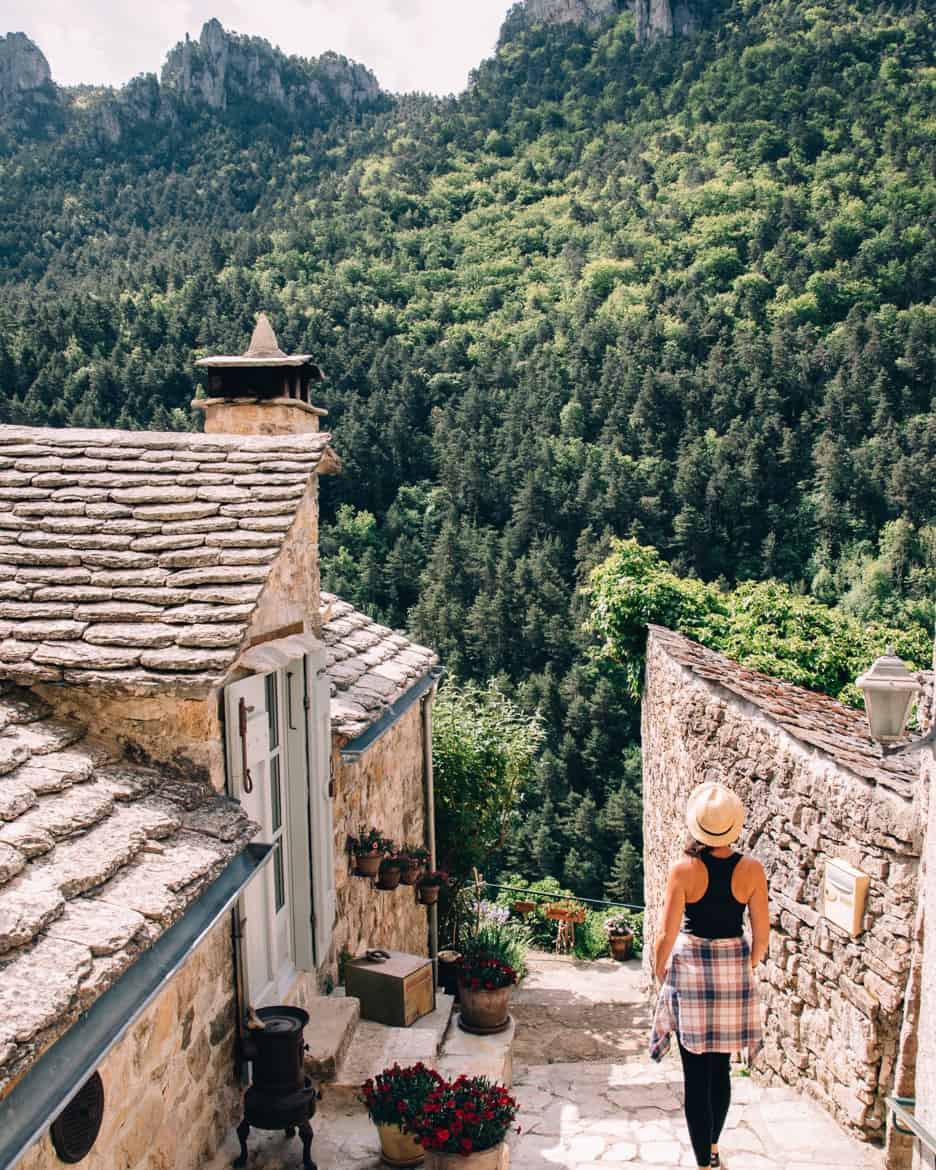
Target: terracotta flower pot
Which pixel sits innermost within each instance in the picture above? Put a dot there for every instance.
(428, 895)
(368, 864)
(398, 1148)
(410, 874)
(479, 1160)
(484, 1010)
(390, 876)
(524, 907)
(621, 945)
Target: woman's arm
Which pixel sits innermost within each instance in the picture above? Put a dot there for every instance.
(670, 922)
(759, 909)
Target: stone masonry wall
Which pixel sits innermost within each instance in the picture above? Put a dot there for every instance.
(833, 1004)
(169, 1090)
(925, 1064)
(384, 788)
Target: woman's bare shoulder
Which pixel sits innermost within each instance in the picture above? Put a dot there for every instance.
(751, 870)
(684, 869)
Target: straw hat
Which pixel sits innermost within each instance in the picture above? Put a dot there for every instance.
(714, 814)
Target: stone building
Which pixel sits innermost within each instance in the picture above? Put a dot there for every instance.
(190, 731)
(841, 1010)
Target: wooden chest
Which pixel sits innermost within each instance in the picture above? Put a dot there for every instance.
(395, 992)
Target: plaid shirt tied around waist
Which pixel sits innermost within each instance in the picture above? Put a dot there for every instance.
(708, 999)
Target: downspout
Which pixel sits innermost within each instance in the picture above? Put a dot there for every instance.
(430, 821)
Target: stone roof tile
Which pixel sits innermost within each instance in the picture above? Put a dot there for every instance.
(106, 533)
(93, 868)
(370, 666)
(813, 718)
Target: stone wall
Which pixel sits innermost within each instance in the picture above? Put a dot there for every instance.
(384, 788)
(170, 1094)
(924, 1088)
(292, 592)
(833, 1004)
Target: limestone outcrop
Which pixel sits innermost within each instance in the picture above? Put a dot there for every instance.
(23, 67)
(654, 18)
(223, 68)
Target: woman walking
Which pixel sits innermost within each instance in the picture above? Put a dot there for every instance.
(706, 964)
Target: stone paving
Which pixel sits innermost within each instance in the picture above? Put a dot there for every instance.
(586, 1110)
(596, 1114)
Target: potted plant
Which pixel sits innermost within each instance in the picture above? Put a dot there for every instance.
(368, 849)
(415, 858)
(566, 911)
(390, 873)
(463, 1124)
(523, 907)
(620, 935)
(484, 986)
(394, 1098)
(427, 891)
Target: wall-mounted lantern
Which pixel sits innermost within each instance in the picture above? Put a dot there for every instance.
(889, 690)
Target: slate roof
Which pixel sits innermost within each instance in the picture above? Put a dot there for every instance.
(812, 718)
(370, 665)
(97, 858)
(135, 558)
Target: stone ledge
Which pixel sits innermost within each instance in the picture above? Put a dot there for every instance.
(328, 1035)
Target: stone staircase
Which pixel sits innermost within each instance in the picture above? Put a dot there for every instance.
(344, 1050)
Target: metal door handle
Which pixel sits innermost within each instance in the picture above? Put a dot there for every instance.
(242, 710)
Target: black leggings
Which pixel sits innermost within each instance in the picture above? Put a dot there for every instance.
(708, 1095)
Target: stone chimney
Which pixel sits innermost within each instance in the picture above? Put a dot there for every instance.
(261, 392)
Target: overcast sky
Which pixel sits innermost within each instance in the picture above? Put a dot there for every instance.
(410, 44)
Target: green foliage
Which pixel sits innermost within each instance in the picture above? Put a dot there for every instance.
(763, 625)
(483, 750)
(507, 941)
(591, 938)
(681, 293)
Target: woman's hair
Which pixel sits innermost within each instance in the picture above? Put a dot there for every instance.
(695, 848)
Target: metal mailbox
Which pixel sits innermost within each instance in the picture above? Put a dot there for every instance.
(845, 891)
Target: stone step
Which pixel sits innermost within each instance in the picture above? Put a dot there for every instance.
(375, 1047)
(329, 1034)
(477, 1056)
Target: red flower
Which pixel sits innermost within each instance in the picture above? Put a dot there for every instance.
(442, 1135)
(467, 1145)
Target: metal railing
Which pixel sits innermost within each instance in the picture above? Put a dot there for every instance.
(556, 896)
(905, 1121)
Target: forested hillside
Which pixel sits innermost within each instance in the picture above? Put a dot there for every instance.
(682, 292)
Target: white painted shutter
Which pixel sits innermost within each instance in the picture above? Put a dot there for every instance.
(258, 896)
(320, 801)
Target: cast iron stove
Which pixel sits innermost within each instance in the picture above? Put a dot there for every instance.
(280, 1096)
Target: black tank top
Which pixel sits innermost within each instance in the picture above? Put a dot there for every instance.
(718, 913)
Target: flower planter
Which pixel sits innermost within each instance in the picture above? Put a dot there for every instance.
(410, 874)
(524, 907)
(428, 895)
(398, 1148)
(478, 1160)
(621, 946)
(368, 864)
(482, 1010)
(564, 914)
(389, 878)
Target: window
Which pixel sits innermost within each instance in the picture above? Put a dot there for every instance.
(279, 745)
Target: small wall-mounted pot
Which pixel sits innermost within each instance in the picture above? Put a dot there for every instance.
(390, 874)
(367, 864)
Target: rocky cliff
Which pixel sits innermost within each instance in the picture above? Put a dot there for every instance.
(654, 18)
(23, 67)
(221, 69)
